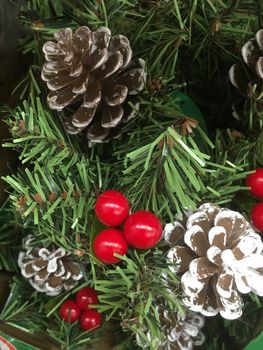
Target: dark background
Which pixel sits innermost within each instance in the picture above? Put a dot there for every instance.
(13, 64)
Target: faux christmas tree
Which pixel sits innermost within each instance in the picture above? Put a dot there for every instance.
(126, 134)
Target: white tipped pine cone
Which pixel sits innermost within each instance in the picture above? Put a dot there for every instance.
(49, 272)
(219, 256)
(179, 332)
(252, 54)
(93, 73)
(244, 76)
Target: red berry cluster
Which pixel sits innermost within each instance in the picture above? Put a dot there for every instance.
(72, 311)
(141, 229)
(255, 182)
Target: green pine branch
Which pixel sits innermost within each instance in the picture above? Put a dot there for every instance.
(131, 292)
(161, 32)
(186, 44)
(11, 233)
(60, 204)
(22, 308)
(171, 174)
(27, 311)
(38, 135)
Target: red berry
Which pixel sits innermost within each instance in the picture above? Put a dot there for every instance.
(90, 319)
(86, 297)
(69, 311)
(107, 243)
(255, 182)
(143, 230)
(112, 208)
(256, 217)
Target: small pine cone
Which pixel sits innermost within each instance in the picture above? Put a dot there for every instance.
(49, 272)
(94, 75)
(219, 256)
(178, 332)
(243, 77)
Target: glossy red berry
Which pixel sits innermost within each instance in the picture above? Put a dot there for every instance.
(90, 319)
(112, 208)
(107, 243)
(69, 311)
(143, 230)
(86, 297)
(255, 182)
(256, 217)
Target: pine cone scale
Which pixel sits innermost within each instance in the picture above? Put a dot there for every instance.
(250, 53)
(83, 39)
(42, 275)
(60, 269)
(73, 268)
(202, 268)
(112, 116)
(217, 237)
(214, 255)
(97, 59)
(58, 100)
(114, 95)
(76, 68)
(259, 67)
(111, 66)
(29, 270)
(183, 256)
(224, 285)
(55, 282)
(58, 82)
(97, 132)
(196, 240)
(233, 223)
(53, 67)
(39, 265)
(259, 38)
(83, 117)
(92, 95)
(52, 52)
(122, 44)
(101, 39)
(133, 81)
(79, 86)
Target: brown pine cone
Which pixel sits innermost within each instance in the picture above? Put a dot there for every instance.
(49, 272)
(244, 77)
(219, 256)
(179, 332)
(93, 74)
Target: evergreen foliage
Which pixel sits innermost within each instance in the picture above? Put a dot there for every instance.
(188, 45)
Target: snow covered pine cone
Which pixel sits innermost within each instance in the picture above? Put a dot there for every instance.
(243, 77)
(218, 255)
(180, 332)
(93, 74)
(50, 272)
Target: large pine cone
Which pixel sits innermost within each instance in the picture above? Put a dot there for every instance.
(94, 74)
(219, 255)
(244, 77)
(49, 272)
(179, 332)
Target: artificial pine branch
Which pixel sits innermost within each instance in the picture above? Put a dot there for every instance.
(187, 44)
(130, 292)
(21, 308)
(11, 232)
